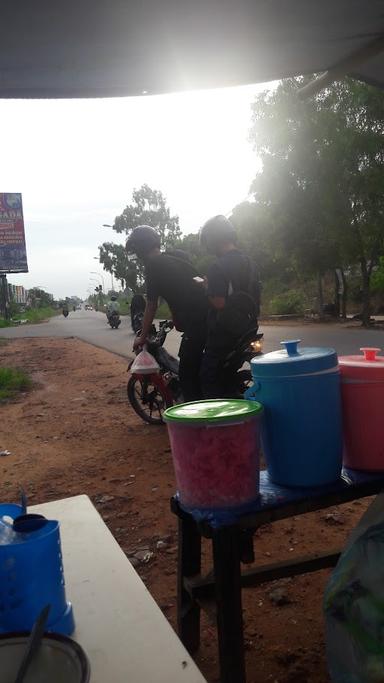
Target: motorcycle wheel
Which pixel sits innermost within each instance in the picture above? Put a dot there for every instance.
(146, 400)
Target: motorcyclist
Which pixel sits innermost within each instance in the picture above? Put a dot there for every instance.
(65, 309)
(137, 312)
(113, 306)
(172, 279)
(233, 291)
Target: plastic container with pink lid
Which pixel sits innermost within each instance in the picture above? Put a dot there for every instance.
(362, 388)
(216, 448)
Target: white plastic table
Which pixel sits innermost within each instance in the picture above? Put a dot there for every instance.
(119, 625)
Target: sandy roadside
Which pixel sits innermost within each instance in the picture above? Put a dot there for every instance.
(75, 433)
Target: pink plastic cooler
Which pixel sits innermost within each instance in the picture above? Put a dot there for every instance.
(362, 387)
(216, 448)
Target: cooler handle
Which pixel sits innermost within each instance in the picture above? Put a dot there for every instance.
(250, 393)
(370, 352)
(291, 346)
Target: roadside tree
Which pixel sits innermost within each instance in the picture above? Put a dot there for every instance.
(320, 185)
(148, 207)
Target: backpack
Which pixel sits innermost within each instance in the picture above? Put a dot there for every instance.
(183, 257)
(242, 307)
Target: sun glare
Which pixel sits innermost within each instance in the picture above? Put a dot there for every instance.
(77, 161)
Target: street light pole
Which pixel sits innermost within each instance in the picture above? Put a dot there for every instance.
(97, 259)
(100, 293)
(107, 225)
(93, 272)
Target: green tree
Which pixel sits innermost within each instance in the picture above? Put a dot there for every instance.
(115, 260)
(378, 277)
(148, 207)
(321, 177)
(255, 229)
(39, 298)
(199, 257)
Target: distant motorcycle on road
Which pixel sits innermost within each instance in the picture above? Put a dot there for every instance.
(149, 395)
(65, 312)
(114, 320)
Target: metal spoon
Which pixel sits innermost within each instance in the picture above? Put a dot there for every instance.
(33, 643)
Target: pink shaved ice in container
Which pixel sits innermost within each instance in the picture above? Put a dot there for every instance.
(216, 452)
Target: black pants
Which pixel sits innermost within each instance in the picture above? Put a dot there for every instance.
(219, 345)
(211, 374)
(190, 354)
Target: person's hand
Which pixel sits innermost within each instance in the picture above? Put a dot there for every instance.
(138, 343)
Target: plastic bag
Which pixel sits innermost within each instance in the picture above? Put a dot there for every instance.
(145, 364)
(354, 604)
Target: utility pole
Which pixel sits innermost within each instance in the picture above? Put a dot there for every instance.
(107, 225)
(92, 271)
(4, 296)
(95, 272)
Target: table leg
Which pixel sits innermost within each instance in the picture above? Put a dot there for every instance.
(226, 559)
(189, 564)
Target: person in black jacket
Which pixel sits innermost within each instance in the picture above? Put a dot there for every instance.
(173, 279)
(233, 293)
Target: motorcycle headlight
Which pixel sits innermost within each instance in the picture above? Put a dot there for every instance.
(257, 346)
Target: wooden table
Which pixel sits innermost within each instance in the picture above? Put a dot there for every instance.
(119, 625)
(232, 544)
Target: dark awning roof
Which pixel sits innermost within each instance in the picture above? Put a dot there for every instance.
(101, 48)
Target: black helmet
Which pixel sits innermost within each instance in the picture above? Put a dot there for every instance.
(113, 297)
(216, 231)
(142, 240)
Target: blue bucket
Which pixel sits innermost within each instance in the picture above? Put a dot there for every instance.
(302, 431)
(31, 573)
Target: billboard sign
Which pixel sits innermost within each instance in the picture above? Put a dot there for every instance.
(13, 252)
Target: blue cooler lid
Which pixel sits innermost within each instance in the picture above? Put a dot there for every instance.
(291, 361)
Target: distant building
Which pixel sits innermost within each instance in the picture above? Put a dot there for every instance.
(17, 294)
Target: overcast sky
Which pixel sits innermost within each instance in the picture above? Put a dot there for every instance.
(76, 163)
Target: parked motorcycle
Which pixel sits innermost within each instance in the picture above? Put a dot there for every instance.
(114, 320)
(150, 395)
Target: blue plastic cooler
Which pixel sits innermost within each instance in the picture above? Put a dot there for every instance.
(302, 432)
(31, 572)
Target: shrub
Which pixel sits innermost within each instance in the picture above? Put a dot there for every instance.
(287, 303)
(12, 380)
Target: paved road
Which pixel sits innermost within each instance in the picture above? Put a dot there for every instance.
(92, 327)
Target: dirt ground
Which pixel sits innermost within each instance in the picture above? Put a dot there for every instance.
(74, 433)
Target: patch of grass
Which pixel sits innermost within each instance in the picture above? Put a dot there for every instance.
(125, 307)
(35, 315)
(13, 380)
(163, 312)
